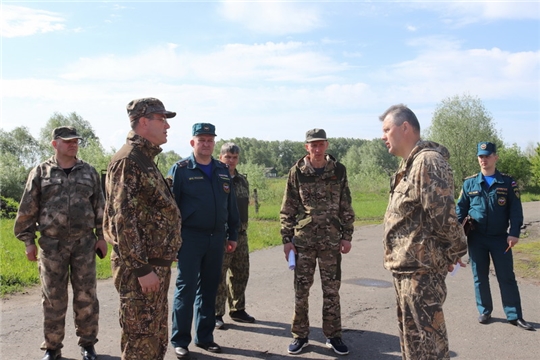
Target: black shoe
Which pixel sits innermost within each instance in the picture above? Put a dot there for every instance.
(484, 318)
(219, 323)
(52, 354)
(297, 345)
(522, 324)
(337, 345)
(211, 347)
(182, 353)
(241, 316)
(88, 352)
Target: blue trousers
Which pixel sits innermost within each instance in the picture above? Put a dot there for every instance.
(481, 247)
(199, 271)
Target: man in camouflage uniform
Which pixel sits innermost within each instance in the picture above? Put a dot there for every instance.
(64, 202)
(491, 201)
(142, 222)
(422, 237)
(235, 269)
(317, 224)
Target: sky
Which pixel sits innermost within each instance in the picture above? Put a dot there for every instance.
(268, 70)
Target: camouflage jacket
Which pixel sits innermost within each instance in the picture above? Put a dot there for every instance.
(421, 231)
(59, 206)
(315, 207)
(241, 189)
(141, 218)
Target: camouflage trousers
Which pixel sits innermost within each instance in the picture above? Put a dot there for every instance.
(143, 317)
(59, 263)
(422, 330)
(330, 271)
(234, 278)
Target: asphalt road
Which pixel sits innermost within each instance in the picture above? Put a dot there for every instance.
(368, 313)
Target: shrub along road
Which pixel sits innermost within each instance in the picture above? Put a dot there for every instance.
(368, 312)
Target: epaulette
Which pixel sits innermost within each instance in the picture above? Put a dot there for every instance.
(507, 175)
(470, 177)
(183, 163)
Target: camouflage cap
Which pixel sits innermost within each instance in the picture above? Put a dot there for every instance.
(65, 133)
(204, 129)
(486, 148)
(315, 135)
(141, 107)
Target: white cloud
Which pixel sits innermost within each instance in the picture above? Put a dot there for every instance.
(149, 64)
(460, 13)
(444, 69)
(501, 10)
(290, 61)
(411, 28)
(17, 21)
(273, 17)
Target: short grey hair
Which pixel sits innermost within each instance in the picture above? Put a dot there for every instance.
(229, 147)
(401, 114)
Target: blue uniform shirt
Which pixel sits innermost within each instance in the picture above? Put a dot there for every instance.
(206, 204)
(493, 208)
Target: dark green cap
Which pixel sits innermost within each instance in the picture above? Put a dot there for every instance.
(204, 129)
(486, 148)
(65, 133)
(315, 135)
(141, 107)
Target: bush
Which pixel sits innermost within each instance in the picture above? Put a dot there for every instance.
(8, 208)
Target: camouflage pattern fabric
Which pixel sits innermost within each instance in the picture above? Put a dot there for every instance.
(142, 222)
(329, 258)
(421, 230)
(60, 207)
(317, 212)
(66, 210)
(422, 238)
(235, 268)
(316, 204)
(80, 259)
(422, 329)
(143, 317)
(234, 277)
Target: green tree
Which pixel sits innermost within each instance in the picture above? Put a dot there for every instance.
(20, 143)
(84, 128)
(352, 161)
(19, 152)
(513, 162)
(12, 176)
(255, 175)
(459, 123)
(535, 166)
(165, 160)
(338, 147)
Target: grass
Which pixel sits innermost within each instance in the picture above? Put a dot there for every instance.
(17, 273)
(527, 259)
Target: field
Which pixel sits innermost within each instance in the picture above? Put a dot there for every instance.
(16, 272)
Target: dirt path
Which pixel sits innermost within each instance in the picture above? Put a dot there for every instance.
(368, 312)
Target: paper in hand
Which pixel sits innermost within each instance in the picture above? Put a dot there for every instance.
(456, 268)
(292, 260)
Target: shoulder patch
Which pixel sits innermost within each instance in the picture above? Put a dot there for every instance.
(508, 176)
(182, 163)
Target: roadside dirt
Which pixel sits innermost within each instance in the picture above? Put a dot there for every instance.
(367, 306)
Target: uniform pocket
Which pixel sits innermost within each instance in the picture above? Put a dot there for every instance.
(137, 315)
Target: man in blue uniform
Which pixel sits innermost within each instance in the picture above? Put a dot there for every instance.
(204, 193)
(491, 202)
